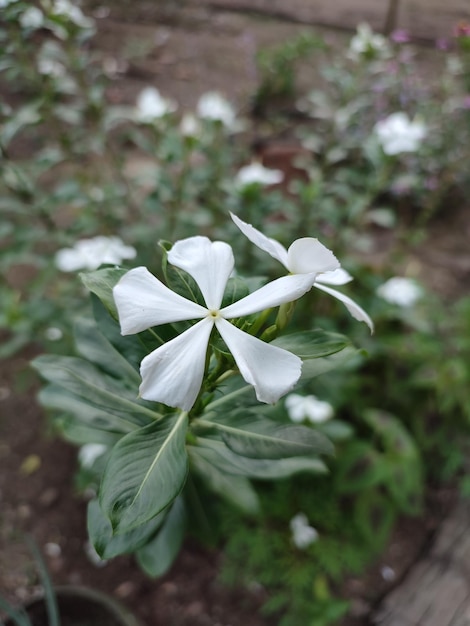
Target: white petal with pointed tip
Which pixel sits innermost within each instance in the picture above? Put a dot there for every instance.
(143, 301)
(271, 246)
(210, 263)
(173, 373)
(307, 255)
(271, 370)
(335, 277)
(356, 311)
(284, 289)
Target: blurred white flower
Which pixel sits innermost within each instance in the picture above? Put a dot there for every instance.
(88, 453)
(310, 407)
(257, 173)
(151, 105)
(89, 254)
(32, 18)
(53, 334)
(401, 291)
(213, 106)
(397, 133)
(366, 43)
(190, 126)
(302, 533)
(50, 67)
(73, 12)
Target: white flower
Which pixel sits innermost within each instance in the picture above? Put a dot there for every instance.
(151, 105)
(32, 18)
(257, 173)
(309, 257)
(366, 43)
(88, 453)
(89, 254)
(53, 333)
(310, 407)
(396, 133)
(190, 126)
(173, 373)
(401, 291)
(302, 533)
(73, 12)
(213, 106)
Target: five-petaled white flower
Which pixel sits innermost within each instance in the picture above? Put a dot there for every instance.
(151, 105)
(89, 254)
(401, 291)
(302, 533)
(305, 256)
(308, 407)
(397, 133)
(256, 173)
(173, 373)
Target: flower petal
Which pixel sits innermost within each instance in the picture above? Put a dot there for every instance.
(334, 277)
(307, 255)
(143, 301)
(271, 246)
(356, 311)
(284, 289)
(271, 370)
(173, 373)
(210, 263)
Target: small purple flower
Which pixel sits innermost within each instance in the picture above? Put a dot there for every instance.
(400, 36)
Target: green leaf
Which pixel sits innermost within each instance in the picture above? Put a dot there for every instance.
(108, 545)
(93, 387)
(235, 489)
(94, 347)
(320, 351)
(145, 472)
(157, 556)
(359, 467)
(250, 435)
(101, 283)
(235, 290)
(106, 426)
(221, 457)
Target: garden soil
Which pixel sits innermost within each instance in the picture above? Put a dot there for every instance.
(183, 55)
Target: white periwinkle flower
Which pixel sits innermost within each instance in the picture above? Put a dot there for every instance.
(307, 256)
(173, 373)
(89, 254)
(32, 18)
(401, 291)
(53, 333)
(256, 173)
(366, 43)
(302, 533)
(151, 105)
(88, 453)
(309, 407)
(213, 106)
(397, 133)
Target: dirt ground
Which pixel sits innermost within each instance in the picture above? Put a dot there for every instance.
(36, 469)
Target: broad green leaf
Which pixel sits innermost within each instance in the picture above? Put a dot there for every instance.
(320, 351)
(93, 387)
(217, 453)
(94, 347)
(108, 545)
(145, 472)
(235, 290)
(252, 436)
(235, 489)
(157, 556)
(81, 423)
(101, 283)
